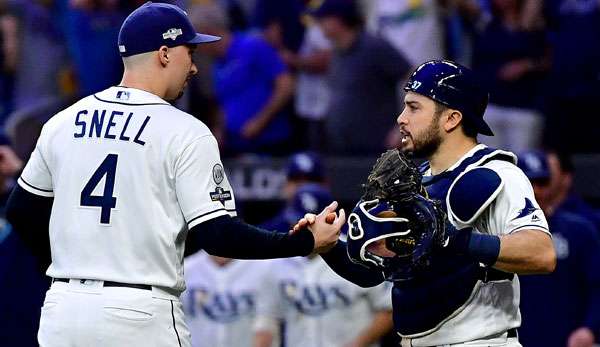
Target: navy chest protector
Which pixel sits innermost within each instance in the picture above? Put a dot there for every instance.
(422, 304)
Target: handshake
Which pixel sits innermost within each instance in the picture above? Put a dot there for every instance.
(325, 227)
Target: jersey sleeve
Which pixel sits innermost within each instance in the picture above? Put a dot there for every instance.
(36, 177)
(515, 207)
(202, 188)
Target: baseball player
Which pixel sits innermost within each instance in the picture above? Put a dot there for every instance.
(120, 180)
(469, 293)
(222, 298)
(320, 309)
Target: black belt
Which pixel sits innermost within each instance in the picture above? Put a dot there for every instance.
(110, 284)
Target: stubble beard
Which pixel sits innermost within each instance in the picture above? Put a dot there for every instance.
(425, 145)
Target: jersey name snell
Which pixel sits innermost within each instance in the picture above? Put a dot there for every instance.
(109, 125)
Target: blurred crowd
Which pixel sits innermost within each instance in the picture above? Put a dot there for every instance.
(320, 77)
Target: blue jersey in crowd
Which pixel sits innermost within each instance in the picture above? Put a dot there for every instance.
(244, 83)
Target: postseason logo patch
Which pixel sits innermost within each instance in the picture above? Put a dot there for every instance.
(220, 195)
(172, 34)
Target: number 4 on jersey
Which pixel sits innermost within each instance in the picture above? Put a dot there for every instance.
(105, 201)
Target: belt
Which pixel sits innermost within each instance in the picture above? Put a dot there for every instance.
(110, 284)
(510, 333)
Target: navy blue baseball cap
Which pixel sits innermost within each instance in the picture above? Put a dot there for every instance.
(153, 25)
(534, 165)
(305, 165)
(309, 198)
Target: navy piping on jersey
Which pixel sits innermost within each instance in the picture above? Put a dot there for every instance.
(174, 327)
(207, 213)
(127, 104)
(34, 187)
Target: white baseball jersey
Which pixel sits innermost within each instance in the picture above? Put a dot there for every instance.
(129, 174)
(319, 308)
(221, 302)
(493, 306)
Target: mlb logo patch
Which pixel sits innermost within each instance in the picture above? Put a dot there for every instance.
(123, 95)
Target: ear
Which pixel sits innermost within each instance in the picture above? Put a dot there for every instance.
(453, 119)
(163, 55)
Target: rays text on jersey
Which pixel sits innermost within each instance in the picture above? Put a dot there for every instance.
(109, 125)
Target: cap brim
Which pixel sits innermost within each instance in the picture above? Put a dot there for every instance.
(203, 38)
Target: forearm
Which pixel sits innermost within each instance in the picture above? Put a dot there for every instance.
(29, 216)
(338, 261)
(382, 323)
(526, 252)
(232, 238)
(284, 87)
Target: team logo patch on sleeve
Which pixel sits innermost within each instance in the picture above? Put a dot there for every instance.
(218, 173)
(220, 195)
(527, 210)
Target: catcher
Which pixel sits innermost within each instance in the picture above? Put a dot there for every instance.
(452, 234)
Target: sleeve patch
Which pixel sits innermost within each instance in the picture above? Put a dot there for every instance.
(472, 192)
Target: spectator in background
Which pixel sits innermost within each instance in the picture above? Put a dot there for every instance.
(563, 194)
(304, 169)
(252, 86)
(413, 27)
(511, 61)
(312, 91)
(91, 30)
(573, 88)
(562, 308)
(280, 22)
(363, 77)
(48, 79)
(8, 59)
(222, 299)
(22, 278)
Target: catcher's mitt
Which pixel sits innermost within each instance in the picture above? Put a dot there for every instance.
(394, 226)
(394, 177)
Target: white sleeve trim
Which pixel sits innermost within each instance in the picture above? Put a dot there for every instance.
(530, 227)
(35, 190)
(210, 215)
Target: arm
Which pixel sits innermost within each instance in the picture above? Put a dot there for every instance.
(229, 237)
(527, 251)
(29, 215)
(282, 92)
(382, 323)
(338, 261)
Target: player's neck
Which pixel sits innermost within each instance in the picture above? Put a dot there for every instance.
(143, 81)
(450, 151)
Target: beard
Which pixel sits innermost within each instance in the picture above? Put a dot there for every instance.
(428, 142)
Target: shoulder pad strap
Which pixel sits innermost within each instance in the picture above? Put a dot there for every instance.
(471, 193)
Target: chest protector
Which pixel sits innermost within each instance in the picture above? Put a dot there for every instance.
(424, 303)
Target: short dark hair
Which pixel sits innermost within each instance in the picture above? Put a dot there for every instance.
(467, 126)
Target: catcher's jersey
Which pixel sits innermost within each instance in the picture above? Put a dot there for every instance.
(319, 308)
(129, 174)
(221, 302)
(484, 307)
